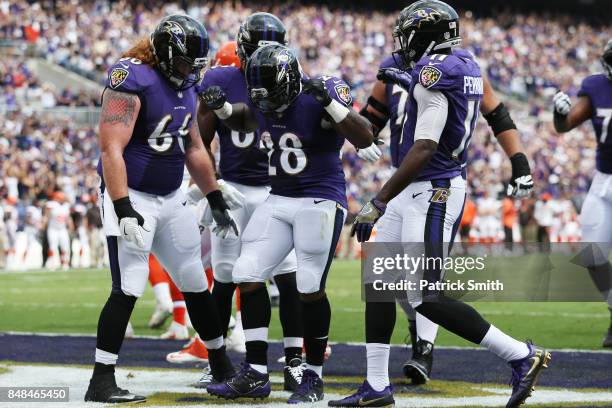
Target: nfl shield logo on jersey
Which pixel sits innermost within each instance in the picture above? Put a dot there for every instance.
(429, 76)
(118, 76)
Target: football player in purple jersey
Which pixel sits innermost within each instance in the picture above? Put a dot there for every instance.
(387, 103)
(423, 201)
(244, 167)
(595, 103)
(302, 123)
(147, 136)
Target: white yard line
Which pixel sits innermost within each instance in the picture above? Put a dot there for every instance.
(147, 382)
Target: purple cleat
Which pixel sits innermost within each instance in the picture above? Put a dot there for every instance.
(247, 383)
(525, 374)
(366, 396)
(309, 390)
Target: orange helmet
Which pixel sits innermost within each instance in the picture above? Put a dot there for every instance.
(226, 55)
(58, 196)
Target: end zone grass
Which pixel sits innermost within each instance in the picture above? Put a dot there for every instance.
(70, 302)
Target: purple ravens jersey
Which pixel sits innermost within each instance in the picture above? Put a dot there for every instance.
(304, 149)
(459, 79)
(240, 159)
(396, 101)
(155, 155)
(598, 88)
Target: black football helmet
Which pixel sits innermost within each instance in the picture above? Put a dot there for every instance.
(423, 27)
(259, 29)
(274, 78)
(606, 60)
(180, 44)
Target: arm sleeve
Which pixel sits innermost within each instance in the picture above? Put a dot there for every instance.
(432, 111)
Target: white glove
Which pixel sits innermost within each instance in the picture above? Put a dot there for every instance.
(231, 195)
(194, 194)
(370, 154)
(562, 102)
(206, 219)
(130, 230)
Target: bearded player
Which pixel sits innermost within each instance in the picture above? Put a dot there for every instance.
(423, 200)
(595, 103)
(303, 123)
(147, 135)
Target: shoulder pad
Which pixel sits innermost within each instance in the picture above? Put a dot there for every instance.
(338, 90)
(128, 75)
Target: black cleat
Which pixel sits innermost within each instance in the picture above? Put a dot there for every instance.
(103, 388)
(309, 390)
(607, 342)
(418, 368)
(293, 374)
(525, 374)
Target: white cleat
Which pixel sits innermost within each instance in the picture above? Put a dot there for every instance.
(158, 318)
(176, 331)
(236, 341)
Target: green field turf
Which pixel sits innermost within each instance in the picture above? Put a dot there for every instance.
(69, 302)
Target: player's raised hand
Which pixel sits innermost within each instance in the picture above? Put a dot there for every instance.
(365, 220)
(316, 87)
(395, 76)
(371, 153)
(521, 182)
(225, 224)
(562, 103)
(130, 221)
(214, 98)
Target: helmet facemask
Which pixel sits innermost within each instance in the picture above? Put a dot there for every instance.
(606, 60)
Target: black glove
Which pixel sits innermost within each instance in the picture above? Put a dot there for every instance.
(130, 222)
(395, 76)
(521, 182)
(316, 87)
(214, 98)
(221, 214)
(124, 209)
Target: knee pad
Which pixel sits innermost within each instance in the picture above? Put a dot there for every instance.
(190, 278)
(222, 271)
(245, 270)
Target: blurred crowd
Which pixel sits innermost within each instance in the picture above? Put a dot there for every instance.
(526, 56)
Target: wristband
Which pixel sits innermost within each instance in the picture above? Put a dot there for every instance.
(225, 111)
(337, 111)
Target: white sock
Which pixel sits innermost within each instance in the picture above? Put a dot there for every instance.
(105, 357)
(162, 295)
(257, 334)
(378, 365)
(261, 368)
(504, 346)
(293, 342)
(214, 344)
(426, 329)
(316, 369)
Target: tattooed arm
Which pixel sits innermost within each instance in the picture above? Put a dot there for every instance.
(117, 119)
